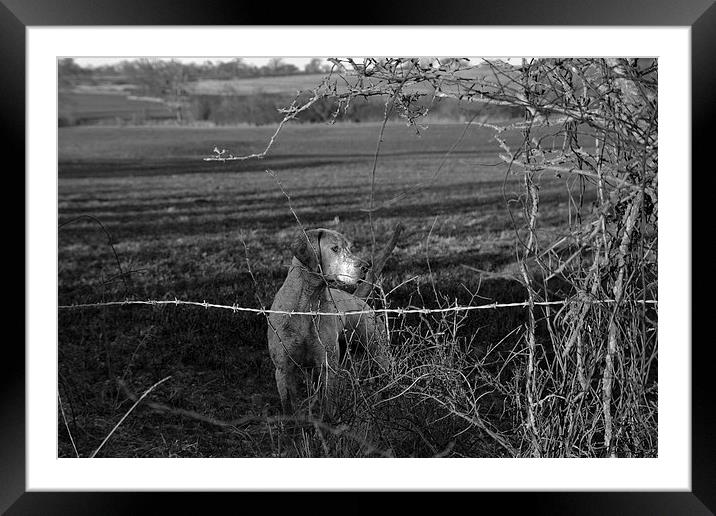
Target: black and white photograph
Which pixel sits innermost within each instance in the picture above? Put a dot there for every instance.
(358, 257)
(423, 250)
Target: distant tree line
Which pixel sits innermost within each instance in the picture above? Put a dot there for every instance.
(156, 76)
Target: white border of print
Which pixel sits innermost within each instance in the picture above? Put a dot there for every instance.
(670, 471)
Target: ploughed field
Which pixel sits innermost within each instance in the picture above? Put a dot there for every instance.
(183, 228)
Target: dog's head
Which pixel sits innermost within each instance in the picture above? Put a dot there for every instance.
(327, 252)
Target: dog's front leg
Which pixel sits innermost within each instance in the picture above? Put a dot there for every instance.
(327, 362)
(282, 384)
(333, 370)
(378, 344)
(287, 383)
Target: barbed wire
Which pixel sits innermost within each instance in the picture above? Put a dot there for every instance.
(398, 311)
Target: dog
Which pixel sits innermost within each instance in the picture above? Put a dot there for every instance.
(321, 261)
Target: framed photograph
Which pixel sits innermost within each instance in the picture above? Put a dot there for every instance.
(323, 257)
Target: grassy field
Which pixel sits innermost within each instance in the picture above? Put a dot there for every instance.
(189, 229)
(76, 107)
(252, 85)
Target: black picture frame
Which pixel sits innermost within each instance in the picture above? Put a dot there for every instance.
(700, 15)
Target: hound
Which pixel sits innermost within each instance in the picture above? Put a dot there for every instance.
(321, 258)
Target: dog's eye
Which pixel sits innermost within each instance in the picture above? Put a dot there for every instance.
(335, 248)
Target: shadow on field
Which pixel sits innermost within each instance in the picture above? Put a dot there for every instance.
(128, 167)
(172, 167)
(206, 216)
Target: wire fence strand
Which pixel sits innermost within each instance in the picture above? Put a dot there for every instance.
(398, 311)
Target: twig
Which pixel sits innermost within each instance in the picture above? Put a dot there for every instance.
(364, 289)
(291, 113)
(127, 414)
(62, 410)
(121, 274)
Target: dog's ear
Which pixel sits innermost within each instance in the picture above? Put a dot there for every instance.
(305, 247)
